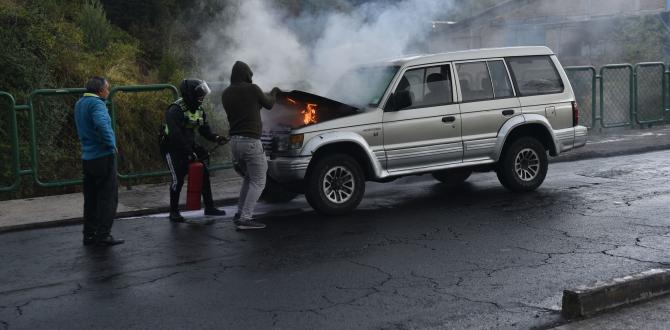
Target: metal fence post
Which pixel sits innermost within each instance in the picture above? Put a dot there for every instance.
(14, 142)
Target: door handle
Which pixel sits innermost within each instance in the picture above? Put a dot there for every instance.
(448, 119)
(508, 112)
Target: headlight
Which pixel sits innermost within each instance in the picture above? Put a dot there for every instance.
(295, 141)
(288, 142)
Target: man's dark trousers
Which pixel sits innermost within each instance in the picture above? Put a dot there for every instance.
(100, 196)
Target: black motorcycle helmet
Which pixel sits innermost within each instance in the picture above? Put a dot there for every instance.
(193, 91)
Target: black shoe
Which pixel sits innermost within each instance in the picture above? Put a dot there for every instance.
(248, 224)
(89, 240)
(214, 211)
(176, 217)
(108, 240)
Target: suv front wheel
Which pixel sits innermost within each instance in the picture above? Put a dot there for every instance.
(335, 184)
(523, 165)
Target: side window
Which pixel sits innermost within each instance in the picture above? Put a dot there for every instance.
(438, 86)
(535, 75)
(501, 85)
(410, 84)
(475, 81)
(427, 87)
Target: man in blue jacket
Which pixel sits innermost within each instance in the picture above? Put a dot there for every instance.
(98, 149)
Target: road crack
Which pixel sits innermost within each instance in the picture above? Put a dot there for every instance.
(20, 308)
(154, 280)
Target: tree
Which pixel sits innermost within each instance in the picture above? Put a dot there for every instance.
(93, 22)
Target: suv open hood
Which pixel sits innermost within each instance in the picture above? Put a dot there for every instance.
(298, 109)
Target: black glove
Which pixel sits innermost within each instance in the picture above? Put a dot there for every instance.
(192, 157)
(220, 139)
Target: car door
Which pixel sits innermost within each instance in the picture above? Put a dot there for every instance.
(427, 131)
(487, 102)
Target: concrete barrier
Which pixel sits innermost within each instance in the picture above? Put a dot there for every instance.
(601, 296)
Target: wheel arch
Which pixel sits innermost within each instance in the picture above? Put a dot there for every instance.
(349, 148)
(533, 126)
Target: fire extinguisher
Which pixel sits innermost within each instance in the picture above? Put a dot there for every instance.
(194, 188)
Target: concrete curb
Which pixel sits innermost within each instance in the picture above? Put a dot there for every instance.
(601, 296)
(577, 156)
(80, 220)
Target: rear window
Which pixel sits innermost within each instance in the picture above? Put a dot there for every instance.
(535, 75)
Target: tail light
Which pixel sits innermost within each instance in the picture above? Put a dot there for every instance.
(575, 113)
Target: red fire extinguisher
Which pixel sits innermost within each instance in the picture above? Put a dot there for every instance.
(194, 188)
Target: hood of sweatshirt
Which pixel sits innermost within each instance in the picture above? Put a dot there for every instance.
(241, 73)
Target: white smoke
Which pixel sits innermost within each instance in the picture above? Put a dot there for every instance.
(255, 32)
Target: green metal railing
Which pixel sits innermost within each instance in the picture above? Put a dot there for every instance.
(622, 94)
(139, 89)
(14, 144)
(650, 100)
(34, 169)
(584, 80)
(617, 95)
(34, 159)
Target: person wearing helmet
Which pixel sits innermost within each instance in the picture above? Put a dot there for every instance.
(243, 101)
(183, 118)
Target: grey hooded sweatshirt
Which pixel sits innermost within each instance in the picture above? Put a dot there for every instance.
(243, 101)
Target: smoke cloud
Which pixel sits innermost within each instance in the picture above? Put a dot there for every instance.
(310, 51)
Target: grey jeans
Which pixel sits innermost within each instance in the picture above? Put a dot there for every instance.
(250, 162)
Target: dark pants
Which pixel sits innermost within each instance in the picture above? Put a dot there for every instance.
(178, 165)
(100, 196)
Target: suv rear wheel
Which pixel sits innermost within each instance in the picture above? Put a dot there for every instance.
(523, 165)
(335, 184)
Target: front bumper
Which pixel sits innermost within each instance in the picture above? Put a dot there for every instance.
(288, 169)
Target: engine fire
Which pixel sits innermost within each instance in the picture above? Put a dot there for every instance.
(297, 109)
(309, 114)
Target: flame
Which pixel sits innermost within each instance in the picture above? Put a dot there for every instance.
(309, 114)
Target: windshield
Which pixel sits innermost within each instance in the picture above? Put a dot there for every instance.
(363, 86)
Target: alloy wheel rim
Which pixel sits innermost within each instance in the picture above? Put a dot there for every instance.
(338, 184)
(527, 164)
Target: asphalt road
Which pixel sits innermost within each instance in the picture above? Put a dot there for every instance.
(416, 254)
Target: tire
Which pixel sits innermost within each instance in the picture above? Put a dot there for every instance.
(452, 177)
(275, 193)
(347, 175)
(523, 165)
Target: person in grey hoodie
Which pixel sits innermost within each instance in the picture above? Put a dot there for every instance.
(243, 101)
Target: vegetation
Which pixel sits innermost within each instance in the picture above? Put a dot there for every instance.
(60, 43)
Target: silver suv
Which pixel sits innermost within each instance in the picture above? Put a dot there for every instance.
(447, 114)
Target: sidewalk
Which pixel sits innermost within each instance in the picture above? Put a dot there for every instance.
(148, 199)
